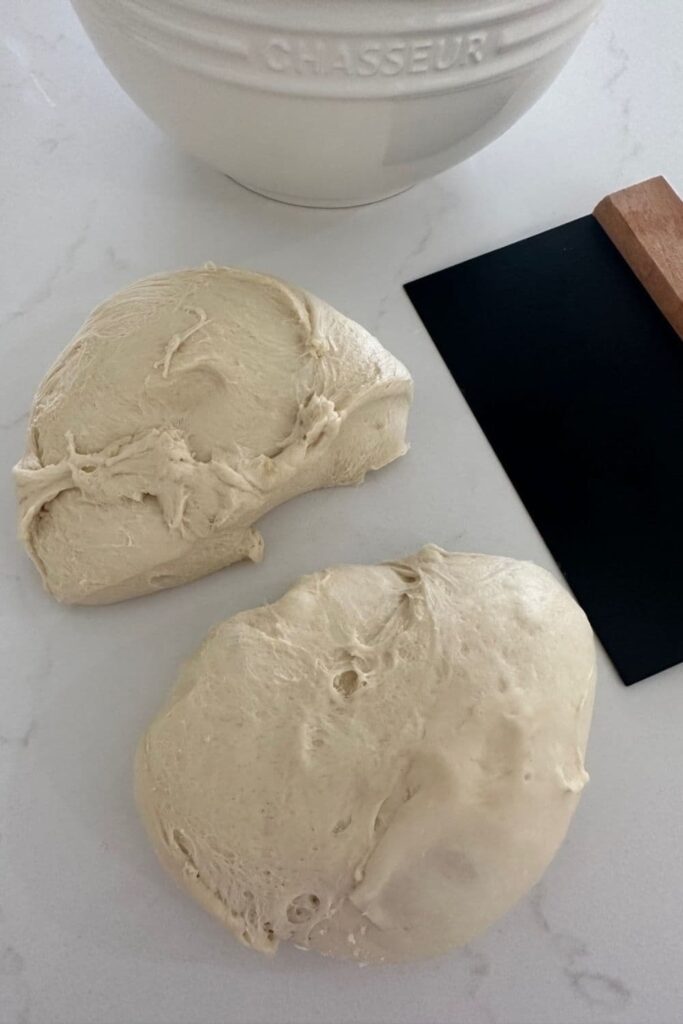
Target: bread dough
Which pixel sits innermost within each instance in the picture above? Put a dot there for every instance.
(381, 763)
(187, 406)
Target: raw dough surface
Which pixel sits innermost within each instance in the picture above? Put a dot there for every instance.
(381, 763)
(187, 406)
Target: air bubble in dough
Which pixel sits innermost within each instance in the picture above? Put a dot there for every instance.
(187, 406)
(379, 764)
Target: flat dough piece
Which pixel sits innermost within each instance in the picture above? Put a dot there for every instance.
(381, 763)
(187, 406)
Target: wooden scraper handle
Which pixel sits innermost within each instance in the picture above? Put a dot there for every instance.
(645, 223)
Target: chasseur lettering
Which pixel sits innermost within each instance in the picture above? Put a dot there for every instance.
(288, 54)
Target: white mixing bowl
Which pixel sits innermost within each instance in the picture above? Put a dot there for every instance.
(334, 102)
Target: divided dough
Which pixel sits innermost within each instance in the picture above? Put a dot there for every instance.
(379, 764)
(187, 406)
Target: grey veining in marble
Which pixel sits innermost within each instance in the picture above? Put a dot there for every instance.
(93, 196)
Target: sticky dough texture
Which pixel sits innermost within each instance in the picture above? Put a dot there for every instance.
(187, 406)
(381, 763)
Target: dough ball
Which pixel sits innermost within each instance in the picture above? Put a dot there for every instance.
(381, 763)
(187, 406)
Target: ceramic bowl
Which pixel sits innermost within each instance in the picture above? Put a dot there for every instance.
(334, 102)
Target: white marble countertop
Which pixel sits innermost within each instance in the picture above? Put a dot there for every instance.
(93, 196)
